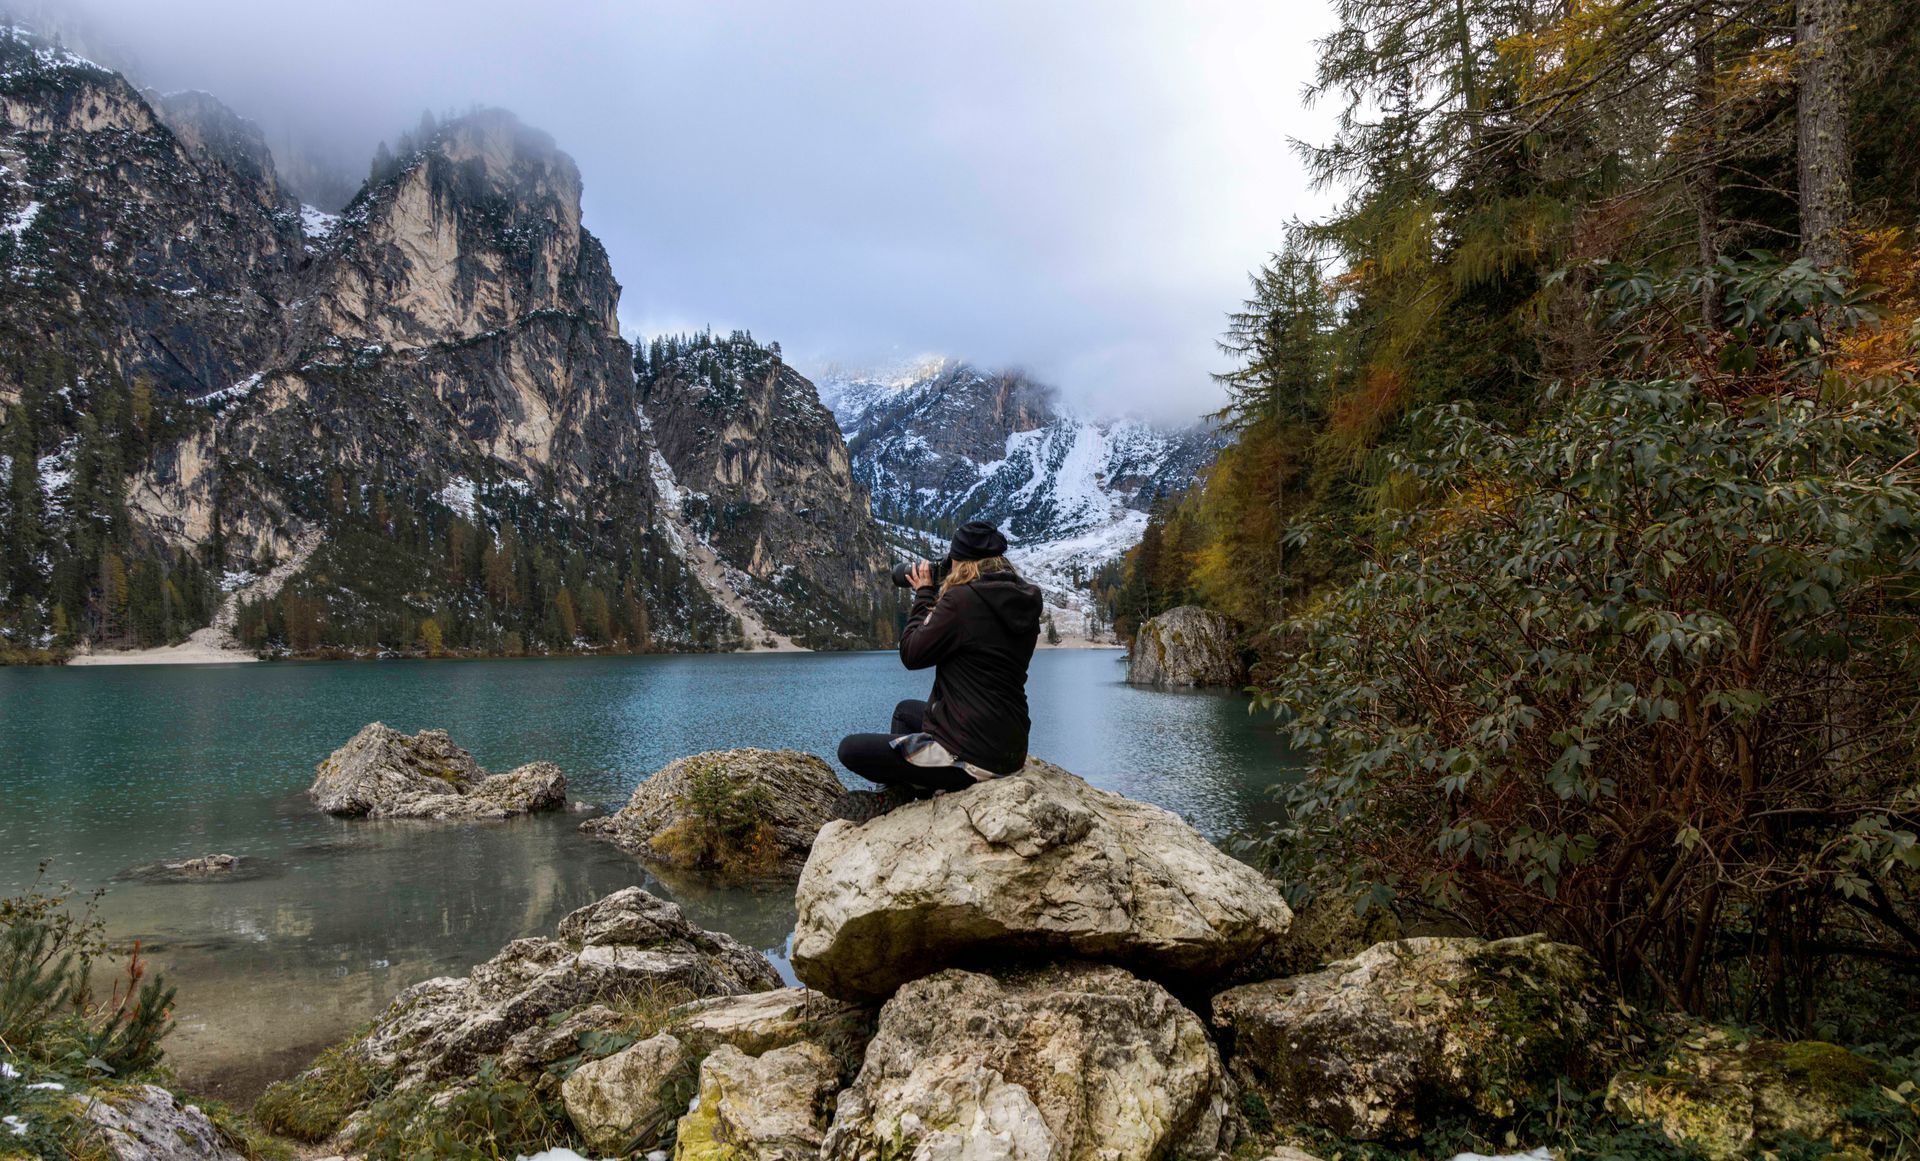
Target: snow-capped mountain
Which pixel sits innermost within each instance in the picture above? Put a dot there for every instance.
(939, 442)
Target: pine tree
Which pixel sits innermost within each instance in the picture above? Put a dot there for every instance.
(25, 527)
(1826, 201)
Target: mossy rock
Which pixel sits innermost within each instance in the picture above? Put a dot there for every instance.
(1729, 1096)
(1374, 1046)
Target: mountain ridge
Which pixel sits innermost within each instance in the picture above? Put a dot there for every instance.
(204, 371)
(938, 442)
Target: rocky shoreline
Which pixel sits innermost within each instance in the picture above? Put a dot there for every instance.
(1034, 968)
(1031, 969)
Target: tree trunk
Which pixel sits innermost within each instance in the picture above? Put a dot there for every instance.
(1706, 179)
(1826, 201)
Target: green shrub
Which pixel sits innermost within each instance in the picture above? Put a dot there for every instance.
(724, 829)
(313, 1105)
(48, 1011)
(1644, 674)
(487, 1116)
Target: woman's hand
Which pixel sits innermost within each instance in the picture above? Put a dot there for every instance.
(920, 576)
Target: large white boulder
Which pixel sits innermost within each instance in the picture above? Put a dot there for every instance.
(1037, 863)
(1069, 1060)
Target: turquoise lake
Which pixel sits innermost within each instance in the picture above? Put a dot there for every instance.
(103, 769)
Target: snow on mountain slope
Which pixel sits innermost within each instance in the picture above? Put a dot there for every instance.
(938, 442)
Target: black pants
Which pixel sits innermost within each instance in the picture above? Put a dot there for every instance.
(873, 757)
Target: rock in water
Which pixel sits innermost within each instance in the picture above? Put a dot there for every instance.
(1071, 1060)
(145, 1123)
(739, 814)
(525, 789)
(771, 1107)
(1728, 1097)
(383, 773)
(1375, 1046)
(200, 869)
(1187, 646)
(1035, 863)
(380, 765)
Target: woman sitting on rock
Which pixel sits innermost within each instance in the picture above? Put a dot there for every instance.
(978, 632)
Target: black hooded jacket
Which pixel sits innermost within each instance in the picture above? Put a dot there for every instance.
(980, 637)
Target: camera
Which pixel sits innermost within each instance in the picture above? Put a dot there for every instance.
(937, 569)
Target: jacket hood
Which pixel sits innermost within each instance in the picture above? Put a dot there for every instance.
(1015, 602)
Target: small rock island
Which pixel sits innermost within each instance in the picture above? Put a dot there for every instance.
(383, 773)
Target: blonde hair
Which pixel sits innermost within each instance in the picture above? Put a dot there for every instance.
(965, 572)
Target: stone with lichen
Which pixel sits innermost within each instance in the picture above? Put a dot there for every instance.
(628, 1100)
(771, 1107)
(1036, 864)
(1373, 1046)
(1727, 1096)
(1068, 1060)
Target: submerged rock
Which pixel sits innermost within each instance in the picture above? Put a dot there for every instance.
(383, 773)
(1187, 646)
(771, 1107)
(739, 814)
(1411, 1029)
(145, 1123)
(1071, 1060)
(199, 869)
(1729, 1097)
(1036, 864)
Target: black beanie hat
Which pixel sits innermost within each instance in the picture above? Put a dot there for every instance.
(978, 540)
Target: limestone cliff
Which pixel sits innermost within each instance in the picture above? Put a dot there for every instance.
(765, 480)
(197, 370)
(123, 245)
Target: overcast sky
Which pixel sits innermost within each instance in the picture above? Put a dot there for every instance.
(1078, 188)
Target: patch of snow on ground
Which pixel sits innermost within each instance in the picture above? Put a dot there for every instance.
(19, 222)
(458, 495)
(317, 224)
(1541, 1154)
(45, 54)
(1052, 564)
(236, 578)
(240, 390)
(56, 472)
